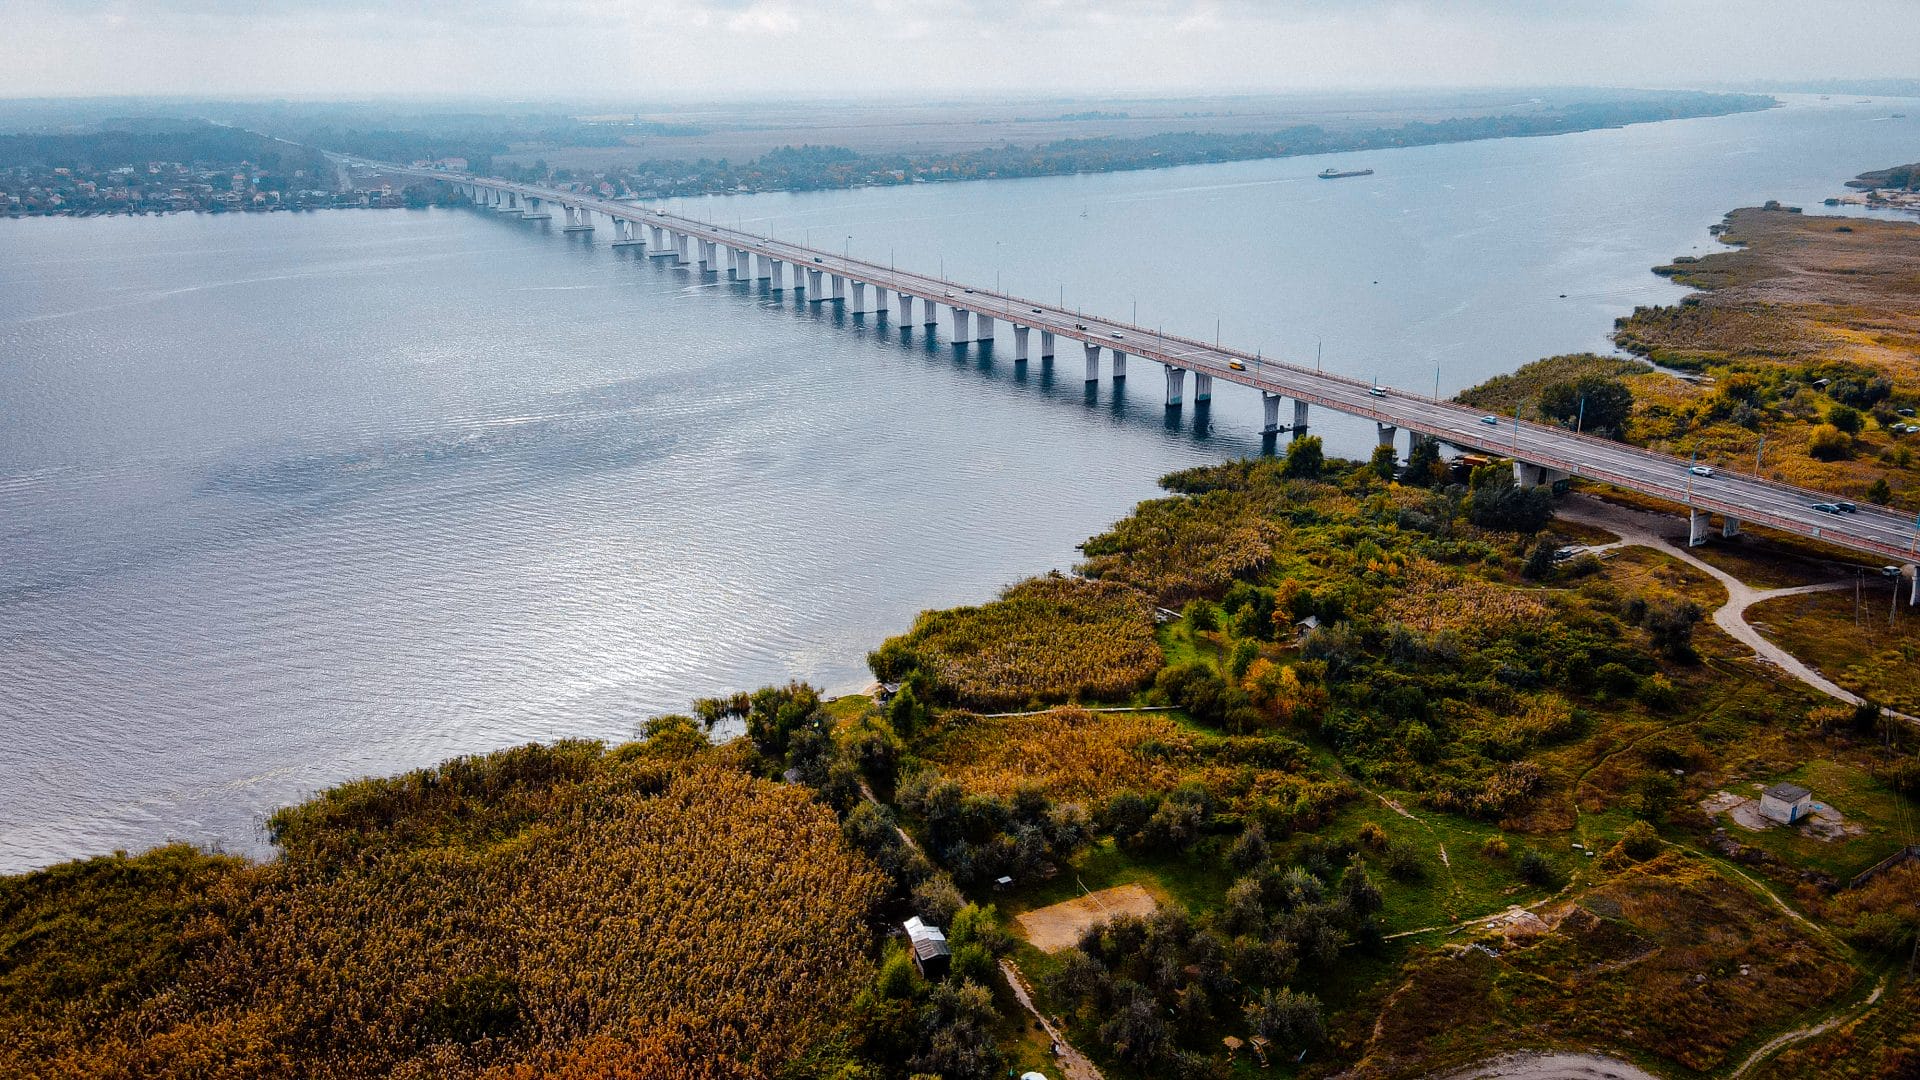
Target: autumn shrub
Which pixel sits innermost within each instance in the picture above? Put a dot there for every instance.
(529, 913)
(1828, 443)
(1048, 639)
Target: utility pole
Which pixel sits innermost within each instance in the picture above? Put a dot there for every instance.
(1757, 451)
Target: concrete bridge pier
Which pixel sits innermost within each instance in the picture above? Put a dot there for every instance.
(680, 241)
(1699, 525)
(905, 300)
(626, 233)
(1019, 344)
(982, 327)
(1202, 387)
(859, 298)
(764, 265)
(879, 300)
(1729, 527)
(1529, 475)
(929, 313)
(1299, 415)
(776, 275)
(1176, 384)
(579, 220)
(815, 294)
(962, 331)
(1046, 344)
(1913, 574)
(1270, 411)
(839, 288)
(1119, 366)
(1093, 361)
(1386, 432)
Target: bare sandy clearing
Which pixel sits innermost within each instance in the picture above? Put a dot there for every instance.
(1059, 926)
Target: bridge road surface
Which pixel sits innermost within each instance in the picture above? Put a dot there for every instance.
(1872, 530)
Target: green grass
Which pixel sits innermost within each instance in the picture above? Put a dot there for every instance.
(1855, 793)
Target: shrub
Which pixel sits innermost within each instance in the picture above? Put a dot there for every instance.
(1828, 443)
(1640, 842)
(1846, 418)
(1879, 493)
(1372, 837)
(1534, 868)
(1495, 847)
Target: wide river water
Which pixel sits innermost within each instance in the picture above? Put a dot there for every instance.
(289, 499)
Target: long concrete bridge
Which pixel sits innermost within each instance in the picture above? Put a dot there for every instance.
(1541, 453)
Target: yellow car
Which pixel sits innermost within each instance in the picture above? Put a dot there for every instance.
(1236, 365)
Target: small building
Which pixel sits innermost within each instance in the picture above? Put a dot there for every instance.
(930, 952)
(1306, 626)
(1786, 803)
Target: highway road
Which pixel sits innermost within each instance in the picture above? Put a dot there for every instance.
(1874, 531)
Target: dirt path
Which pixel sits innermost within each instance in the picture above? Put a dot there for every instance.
(1780, 1042)
(1072, 1062)
(1548, 1066)
(1638, 528)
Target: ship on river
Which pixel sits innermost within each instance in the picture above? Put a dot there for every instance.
(1336, 174)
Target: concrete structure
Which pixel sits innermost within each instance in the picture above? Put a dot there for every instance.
(1786, 803)
(1544, 453)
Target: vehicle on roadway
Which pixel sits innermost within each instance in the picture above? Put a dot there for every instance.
(1036, 311)
(1490, 421)
(818, 259)
(1846, 507)
(1117, 335)
(1701, 470)
(1377, 391)
(1827, 508)
(1076, 326)
(1236, 365)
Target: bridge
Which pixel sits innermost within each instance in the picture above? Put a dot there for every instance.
(1541, 453)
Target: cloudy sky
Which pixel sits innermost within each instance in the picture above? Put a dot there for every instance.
(813, 48)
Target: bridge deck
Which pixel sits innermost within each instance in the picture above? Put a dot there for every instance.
(1750, 499)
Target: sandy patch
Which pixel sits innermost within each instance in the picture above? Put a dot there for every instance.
(1059, 926)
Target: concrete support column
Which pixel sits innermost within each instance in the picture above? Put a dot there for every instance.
(1119, 366)
(962, 333)
(1176, 383)
(1698, 526)
(680, 249)
(839, 287)
(1046, 344)
(1019, 342)
(1729, 527)
(1299, 415)
(776, 275)
(1202, 387)
(983, 327)
(929, 312)
(905, 301)
(815, 295)
(1270, 411)
(1386, 433)
(1093, 361)
(1913, 575)
(764, 265)
(880, 299)
(859, 298)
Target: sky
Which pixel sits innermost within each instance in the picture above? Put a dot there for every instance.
(730, 49)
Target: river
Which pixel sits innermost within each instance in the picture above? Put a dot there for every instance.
(289, 499)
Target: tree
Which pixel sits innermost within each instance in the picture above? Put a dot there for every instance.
(1846, 418)
(1305, 458)
(1497, 501)
(1879, 493)
(905, 713)
(1423, 462)
(1670, 621)
(1287, 1018)
(1384, 462)
(1828, 443)
(1596, 403)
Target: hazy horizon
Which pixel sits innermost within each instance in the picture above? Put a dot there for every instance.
(742, 50)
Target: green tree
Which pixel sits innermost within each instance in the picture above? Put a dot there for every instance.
(1878, 493)
(1846, 418)
(1384, 462)
(1497, 501)
(1305, 458)
(1596, 403)
(1423, 462)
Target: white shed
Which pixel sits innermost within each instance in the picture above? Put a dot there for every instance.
(1786, 803)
